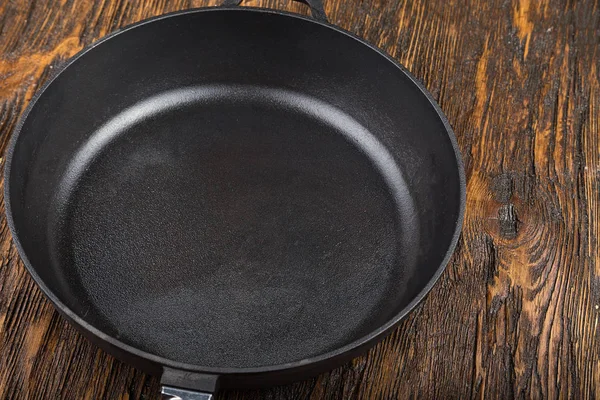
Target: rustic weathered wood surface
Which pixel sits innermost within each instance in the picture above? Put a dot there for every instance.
(516, 312)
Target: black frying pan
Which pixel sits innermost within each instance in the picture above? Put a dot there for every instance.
(234, 197)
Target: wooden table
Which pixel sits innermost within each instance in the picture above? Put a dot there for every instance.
(516, 312)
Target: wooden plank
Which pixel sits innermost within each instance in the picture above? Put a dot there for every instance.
(516, 312)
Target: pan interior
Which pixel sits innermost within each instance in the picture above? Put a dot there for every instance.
(233, 227)
(234, 189)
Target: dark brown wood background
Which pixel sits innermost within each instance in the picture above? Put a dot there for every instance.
(516, 312)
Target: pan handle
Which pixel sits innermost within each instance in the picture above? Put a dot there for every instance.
(316, 7)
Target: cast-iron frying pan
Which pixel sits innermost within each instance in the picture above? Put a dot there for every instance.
(234, 197)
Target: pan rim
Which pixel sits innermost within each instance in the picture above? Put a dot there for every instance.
(367, 340)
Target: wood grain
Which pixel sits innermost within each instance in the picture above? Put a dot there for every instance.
(515, 315)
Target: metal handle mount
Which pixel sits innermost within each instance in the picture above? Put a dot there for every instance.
(172, 393)
(316, 7)
(185, 385)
